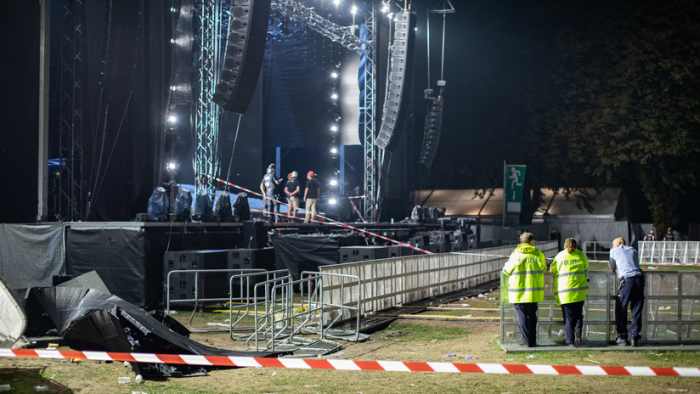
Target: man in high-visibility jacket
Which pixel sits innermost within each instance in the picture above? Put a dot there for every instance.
(570, 270)
(525, 269)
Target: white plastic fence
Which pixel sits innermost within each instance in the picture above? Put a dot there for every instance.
(397, 281)
(669, 252)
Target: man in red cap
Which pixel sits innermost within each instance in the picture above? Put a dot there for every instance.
(311, 195)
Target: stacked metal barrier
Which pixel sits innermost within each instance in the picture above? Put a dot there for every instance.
(397, 281)
(670, 252)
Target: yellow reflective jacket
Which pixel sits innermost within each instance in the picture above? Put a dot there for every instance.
(570, 272)
(526, 270)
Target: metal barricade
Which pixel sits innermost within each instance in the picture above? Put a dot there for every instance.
(670, 252)
(397, 281)
(672, 311)
(597, 250)
(245, 297)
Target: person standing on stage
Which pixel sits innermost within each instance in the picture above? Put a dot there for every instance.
(311, 195)
(525, 269)
(570, 270)
(624, 261)
(267, 187)
(291, 189)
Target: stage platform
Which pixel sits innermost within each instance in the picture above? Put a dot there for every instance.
(645, 348)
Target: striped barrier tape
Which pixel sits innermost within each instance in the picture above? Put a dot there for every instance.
(590, 261)
(350, 365)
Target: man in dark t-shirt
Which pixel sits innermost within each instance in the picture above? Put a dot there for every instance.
(670, 235)
(292, 190)
(311, 195)
(267, 187)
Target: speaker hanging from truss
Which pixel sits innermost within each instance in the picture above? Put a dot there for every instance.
(433, 128)
(399, 74)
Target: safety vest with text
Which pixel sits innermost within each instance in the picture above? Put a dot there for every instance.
(570, 272)
(525, 269)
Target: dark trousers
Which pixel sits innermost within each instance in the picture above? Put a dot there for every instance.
(631, 292)
(573, 319)
(527, 317)
(271, 206)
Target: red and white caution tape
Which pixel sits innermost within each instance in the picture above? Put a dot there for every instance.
(330, 221)
(350, 365)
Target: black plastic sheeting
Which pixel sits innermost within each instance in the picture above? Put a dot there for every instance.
(115, 254)
(91, 320)
(299, 253)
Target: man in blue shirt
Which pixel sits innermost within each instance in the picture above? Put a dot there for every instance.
(624, 261)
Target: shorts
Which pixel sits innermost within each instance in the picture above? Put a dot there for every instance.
(293, 202)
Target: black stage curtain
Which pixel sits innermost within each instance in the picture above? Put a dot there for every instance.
(19, 112)
(125, 109)
(299, 253)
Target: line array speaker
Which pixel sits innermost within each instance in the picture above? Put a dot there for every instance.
(245, 48)
(401, 60)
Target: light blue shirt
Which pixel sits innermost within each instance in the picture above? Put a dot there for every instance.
(625, 261)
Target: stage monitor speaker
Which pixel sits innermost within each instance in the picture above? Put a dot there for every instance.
(349, 254)
(182, 286)
(399, 73)
(399, 251)
(239, 259)
(254, 235)
(245, 48)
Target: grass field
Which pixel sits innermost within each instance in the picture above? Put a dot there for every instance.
(403, 340)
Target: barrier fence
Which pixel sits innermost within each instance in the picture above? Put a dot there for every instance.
(671, 311)
(393, 282)
(670, 252)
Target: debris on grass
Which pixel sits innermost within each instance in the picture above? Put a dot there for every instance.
(450, 355)
(531, 356)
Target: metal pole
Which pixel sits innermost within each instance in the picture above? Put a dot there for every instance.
(43, 151)
(504, 193)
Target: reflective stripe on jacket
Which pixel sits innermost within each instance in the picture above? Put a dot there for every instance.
(526, 270)
(570, 272)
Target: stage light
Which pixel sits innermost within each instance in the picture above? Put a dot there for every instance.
(415, 29)
(172, 166)
(336, 2)
(334, 150)
(353, 10)
(172, 119)
(334, 96)
(334, 128)
(172, 40)
(173, 88)
(173, 9)
(391, 15)
(334, 182)
(332, 201)
(334, 75)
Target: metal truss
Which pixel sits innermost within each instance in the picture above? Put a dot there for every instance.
(344, 35)
(206, 119)
(369, 209)
(70, 204)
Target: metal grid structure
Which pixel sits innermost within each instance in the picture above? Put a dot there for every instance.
(369, 208)
(669, 252)
(344, 35)
(70, 195)
(209, 42)
(671, 311)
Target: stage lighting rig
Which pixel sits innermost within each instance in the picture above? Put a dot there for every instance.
(344, 35)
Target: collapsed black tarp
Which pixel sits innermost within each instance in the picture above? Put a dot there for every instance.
(91, 320)
(299, 253)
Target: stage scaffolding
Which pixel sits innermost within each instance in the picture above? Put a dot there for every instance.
(70, 196)
(369, 210)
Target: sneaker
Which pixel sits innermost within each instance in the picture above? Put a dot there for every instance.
(577, 340)
(635, 341)
(621, 341)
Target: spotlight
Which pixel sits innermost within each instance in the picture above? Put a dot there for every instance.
(172, 40)
(334, 96)
(334, 150)
(334, 128)
(391, 15)
(336, 2)
(385, 8)
(353, 10)
(334, 75)
(173, 88)
(172, 166)
(332, 201)
(172, 119)
(334, 182)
